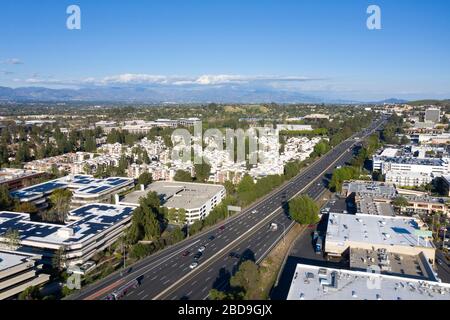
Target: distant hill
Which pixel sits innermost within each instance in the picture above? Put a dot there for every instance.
(392, 101)
(161, 94)
(440, 103)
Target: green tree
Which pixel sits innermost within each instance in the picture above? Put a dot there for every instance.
(60, 200)
(202, 172)
(5, 198)
(30, 293)
(304, 210)
(59, 259)
(181, 216)
(247, 279)
(25, 207)
(400, 202)
(182, 176)
(12, 238)
(321, 148)
(145, 178)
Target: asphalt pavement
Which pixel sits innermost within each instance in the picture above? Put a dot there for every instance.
(167, 274)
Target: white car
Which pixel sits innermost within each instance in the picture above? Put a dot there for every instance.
(193, 265)
(201, 249)
(254, 211)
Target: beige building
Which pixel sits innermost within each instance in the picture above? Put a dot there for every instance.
(18, 271)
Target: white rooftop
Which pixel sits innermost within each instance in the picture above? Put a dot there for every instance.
(317, 283)
(381, 230)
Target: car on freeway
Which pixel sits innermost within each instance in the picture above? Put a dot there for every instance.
(211, 238)
(222, 228)
(201, 249)
(197, 256)
(193, 265)
(186, 253)
(440, 262)
(234, 255)
(273, 227)
(254, 211)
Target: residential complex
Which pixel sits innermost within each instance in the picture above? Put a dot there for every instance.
(197, 199)
(18, 178)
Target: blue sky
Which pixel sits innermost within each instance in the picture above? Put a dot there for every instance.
(318, 47)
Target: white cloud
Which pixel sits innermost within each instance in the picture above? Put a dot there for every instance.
(130, 79)
(12, 61)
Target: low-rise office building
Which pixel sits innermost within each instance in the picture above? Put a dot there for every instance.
(319, 283)
(400, 235)
(19, 271)
(15, 179)
(86, 189)
(196, 198)
(90, 229)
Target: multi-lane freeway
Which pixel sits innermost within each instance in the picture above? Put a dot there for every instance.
(169, 274)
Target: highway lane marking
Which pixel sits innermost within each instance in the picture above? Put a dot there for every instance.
(104, 290)
(259, 225)
(144, 297)
(133, 275)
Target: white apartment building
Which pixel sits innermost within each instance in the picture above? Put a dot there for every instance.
(196, 198)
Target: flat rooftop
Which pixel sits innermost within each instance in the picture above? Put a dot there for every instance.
(177, 194)
(366, 205)
(370, 188)
(401, 265)
(10, 174)
(381, 230)
(9, 259)
(83, 185)
(87, 221)
(317, 283)
(412, 161)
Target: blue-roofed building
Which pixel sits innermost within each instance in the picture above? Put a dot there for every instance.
(86, 189)
(90, 229)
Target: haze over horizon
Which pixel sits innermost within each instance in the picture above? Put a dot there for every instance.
(294, 51)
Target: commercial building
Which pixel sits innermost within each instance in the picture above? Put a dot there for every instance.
(430, 166)
(85, 189)
(318, 283)
(408, 179)
(399, 235)
(433, 115)
(91, 229)
(294, 127)
(17, 178)
(19, 271)
(197, 199)
(376, 198)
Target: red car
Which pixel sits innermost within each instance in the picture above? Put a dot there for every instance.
(222, 228)
(186, 253)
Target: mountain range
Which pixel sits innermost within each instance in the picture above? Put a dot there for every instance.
(161, 94)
